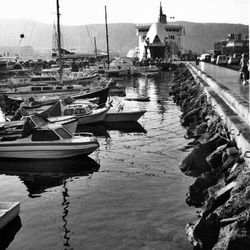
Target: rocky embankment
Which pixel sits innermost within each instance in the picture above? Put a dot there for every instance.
(221, 189)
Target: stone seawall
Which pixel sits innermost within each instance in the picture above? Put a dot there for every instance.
(218, 158)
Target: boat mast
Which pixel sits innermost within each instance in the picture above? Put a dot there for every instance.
(107, 37)
(59, 41)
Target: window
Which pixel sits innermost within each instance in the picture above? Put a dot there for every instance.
(69, 87)
(63, 133)
(68, 112)
(35, 88)
(38, 121)
(47, 88)
(78, 111)
(35, 80)
(45, 135)
(88, 109)
(58, 87)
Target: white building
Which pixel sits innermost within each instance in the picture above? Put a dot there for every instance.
(160, 39)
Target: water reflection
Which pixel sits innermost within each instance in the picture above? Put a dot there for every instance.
(65, 205)
(37, 175)
(8, 233)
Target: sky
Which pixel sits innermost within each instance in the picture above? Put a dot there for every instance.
(81, 12)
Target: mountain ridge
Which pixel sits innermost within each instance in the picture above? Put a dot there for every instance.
(199, 37)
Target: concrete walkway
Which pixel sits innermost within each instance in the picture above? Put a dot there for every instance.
(227, 77)
(229, 98)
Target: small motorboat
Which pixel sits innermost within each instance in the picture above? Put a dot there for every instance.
(85, 113)
(123, 116)
(50, 141)
(8, 212)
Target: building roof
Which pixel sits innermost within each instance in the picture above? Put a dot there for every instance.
(157, 29)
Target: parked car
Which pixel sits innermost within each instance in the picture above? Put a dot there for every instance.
(213, 59)
(233, 60)
(221, 60)
(205, 58)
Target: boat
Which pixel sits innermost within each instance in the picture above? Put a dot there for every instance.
(39, 91)
(8, 212)
(123, 116)
(85, 113)
(50, 141)
(45, 94)
(11, 129)
(81, 77)
(25, 78)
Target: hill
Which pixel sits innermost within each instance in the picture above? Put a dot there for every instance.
(122, 36)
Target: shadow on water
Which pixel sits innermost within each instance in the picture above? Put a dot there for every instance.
(95, 129)
(8, 233)
(125, 127)
(102, 130)
(37, 175)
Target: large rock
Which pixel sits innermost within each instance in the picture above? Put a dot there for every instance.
(195, 163)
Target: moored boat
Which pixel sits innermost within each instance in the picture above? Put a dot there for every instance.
(51, 94)
(85, 113)
(51, 141)
(123, 116)
(25, 78)
(8, 212)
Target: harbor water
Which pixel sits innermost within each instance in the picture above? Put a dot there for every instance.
(129, 194)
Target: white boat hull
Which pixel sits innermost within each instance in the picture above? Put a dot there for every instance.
(46, 150)
(8, 212)
(98, 116)
(132, 116)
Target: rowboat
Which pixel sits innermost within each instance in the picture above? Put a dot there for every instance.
(8, 212)
(123, 116)
(50, 141)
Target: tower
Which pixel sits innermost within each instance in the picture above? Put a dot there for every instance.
(162, 17)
